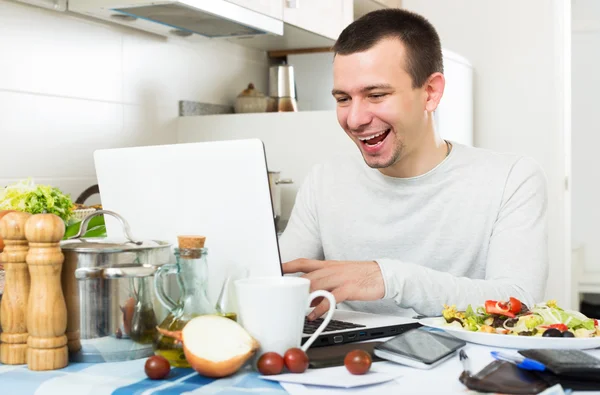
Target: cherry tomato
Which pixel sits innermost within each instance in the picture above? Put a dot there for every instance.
(500, 308)
(358, 362)
(515, 305)
(270, 363)
(296, 360)
(157, 367)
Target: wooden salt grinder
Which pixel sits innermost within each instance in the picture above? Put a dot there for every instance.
(13, 347)
(47, 310)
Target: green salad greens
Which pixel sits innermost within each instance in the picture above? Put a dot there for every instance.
(514, 318)
(28, 197)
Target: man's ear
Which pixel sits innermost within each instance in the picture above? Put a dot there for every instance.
(434, 88)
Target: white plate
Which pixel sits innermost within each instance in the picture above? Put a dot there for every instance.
(511, 341)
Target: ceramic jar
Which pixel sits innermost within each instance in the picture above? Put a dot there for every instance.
(250, 100)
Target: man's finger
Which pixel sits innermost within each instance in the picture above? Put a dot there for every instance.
(321, 309)
(319, 275)
(339, 294)
(316, 301)
(325, 279)
(303, 265)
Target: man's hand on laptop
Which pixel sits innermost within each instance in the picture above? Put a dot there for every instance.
(346, 280)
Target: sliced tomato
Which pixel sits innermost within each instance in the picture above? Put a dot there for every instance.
(595, 323)
(560, 327)
(515, 305)
(499, 308)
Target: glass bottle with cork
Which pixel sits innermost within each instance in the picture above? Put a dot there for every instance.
(191, 269)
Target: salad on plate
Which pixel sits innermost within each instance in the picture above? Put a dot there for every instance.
(514, 318)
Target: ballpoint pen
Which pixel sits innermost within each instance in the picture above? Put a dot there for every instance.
(465, 362)
(520, 361)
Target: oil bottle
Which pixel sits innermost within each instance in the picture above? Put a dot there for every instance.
(191, 270)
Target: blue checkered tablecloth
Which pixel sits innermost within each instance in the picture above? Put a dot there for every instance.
(126, 378)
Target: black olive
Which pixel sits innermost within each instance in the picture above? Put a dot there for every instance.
(552, 332)
(499, 322)
(568, 334)
(511, 322)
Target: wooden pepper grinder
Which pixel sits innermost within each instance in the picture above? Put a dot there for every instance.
(47, 310)
(13, 349)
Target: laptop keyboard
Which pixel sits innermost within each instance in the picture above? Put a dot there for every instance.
(311, 327)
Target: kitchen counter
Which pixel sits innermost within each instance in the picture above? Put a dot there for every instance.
(122, 378)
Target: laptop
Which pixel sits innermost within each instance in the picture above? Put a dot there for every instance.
(219, 189)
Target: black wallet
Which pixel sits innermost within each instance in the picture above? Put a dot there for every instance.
(572, 369)
(505, 378)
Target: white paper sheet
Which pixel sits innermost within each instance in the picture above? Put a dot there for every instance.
(389, 387)
(335, 377)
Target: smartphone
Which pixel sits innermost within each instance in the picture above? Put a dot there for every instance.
(419, 348)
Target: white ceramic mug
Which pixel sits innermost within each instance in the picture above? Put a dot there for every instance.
(272, 310)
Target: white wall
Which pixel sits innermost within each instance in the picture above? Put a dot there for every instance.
(70, 85)
(586, 132)
(289, 141)
(520, 53)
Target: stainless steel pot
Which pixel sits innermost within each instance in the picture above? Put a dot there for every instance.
(274, 183)
(108, 288)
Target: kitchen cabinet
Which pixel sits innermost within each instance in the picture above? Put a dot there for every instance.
(260, 24)
(389, 3)
(362, 7)
(327, 18)
(57, 5)
(272, 8)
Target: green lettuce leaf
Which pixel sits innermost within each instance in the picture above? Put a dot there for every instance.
(469, 312)
(30, 198)
(96, 228)
(572, 319)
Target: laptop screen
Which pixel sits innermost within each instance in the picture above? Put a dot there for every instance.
(216, 189)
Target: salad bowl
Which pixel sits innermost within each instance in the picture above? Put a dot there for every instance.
(511, 324)
(511, 341)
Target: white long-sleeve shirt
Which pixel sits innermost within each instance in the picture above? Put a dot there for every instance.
(473, 228)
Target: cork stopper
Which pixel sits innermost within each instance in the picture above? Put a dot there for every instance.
(186, 242)
(190, 246)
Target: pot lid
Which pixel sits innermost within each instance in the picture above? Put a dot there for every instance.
(109, 245)
(103, 245)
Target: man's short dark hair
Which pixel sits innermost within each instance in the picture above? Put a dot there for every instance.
(420, 39)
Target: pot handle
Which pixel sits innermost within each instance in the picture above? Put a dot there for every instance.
(84, 273)
(124, 224)
(162, 296)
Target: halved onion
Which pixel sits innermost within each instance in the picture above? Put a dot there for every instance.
(215, 346)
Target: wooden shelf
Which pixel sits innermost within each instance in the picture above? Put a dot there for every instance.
(285, 52)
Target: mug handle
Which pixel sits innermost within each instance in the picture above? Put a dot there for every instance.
(328, 317)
